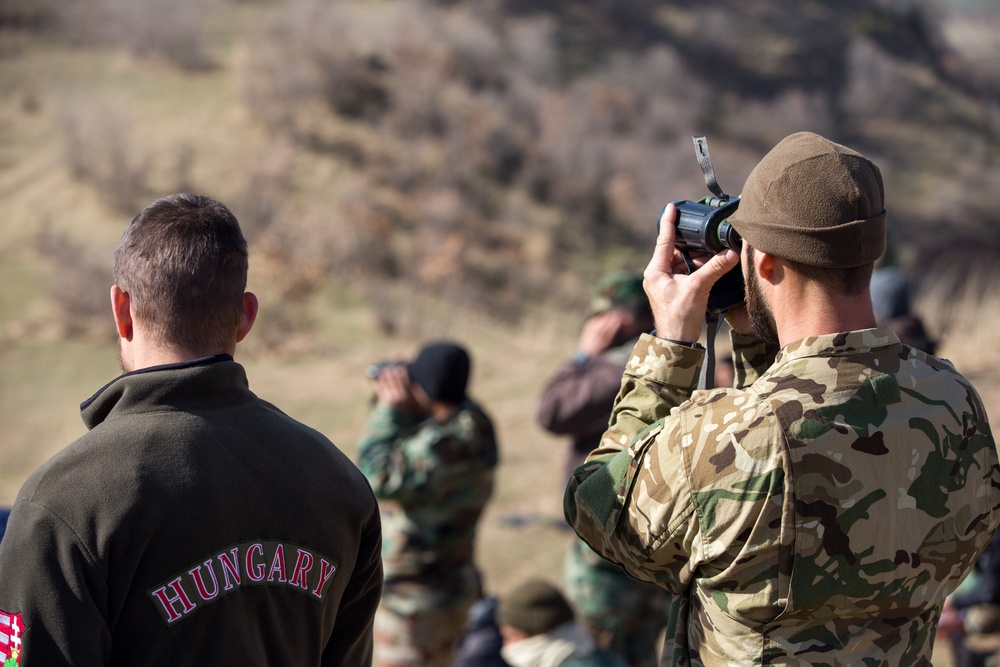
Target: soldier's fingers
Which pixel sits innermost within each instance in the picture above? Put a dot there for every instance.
(663, 254)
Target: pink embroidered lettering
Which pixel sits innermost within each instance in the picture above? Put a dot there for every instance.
(244, 564)
(167, 601)
(255, 571)
(230, 568)
(199, 583)
(278, 565)
(326, 570)
(303, 564)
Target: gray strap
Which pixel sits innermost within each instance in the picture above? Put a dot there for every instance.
(705, 162)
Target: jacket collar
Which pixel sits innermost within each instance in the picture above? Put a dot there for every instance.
(830, 345)
(203, 382)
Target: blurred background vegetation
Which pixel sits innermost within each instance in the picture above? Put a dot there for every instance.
(414, 168)
(497, 154)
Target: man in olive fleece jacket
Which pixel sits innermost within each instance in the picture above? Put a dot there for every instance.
(194, 524)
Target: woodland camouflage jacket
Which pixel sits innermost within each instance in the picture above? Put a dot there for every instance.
(819, 515)
(433, 480)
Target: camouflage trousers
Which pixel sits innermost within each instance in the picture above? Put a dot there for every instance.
(422, 640)
(623, 615)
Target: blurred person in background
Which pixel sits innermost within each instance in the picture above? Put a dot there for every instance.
(623, 614)
(971, 617)
(539, 630)
(821, 511)
(194, 524)
(429, 452)
(890, 292)
(481, 641)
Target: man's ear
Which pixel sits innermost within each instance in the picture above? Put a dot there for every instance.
(765, 265)
(249, 316)
(121, 309)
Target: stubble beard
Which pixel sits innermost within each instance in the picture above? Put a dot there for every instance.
(761, 317)
(121, 358)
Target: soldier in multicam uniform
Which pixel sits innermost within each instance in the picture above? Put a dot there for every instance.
(430, 453)
(622, 614)
(821, 511)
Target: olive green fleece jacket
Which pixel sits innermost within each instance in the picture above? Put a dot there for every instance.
(194, 524)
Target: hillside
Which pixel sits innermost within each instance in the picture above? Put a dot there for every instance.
(406, 170)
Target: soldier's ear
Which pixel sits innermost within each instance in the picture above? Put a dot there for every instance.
(121, 310)
(764, 264)
(249, 315)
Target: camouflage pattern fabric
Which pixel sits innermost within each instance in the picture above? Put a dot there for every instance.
(818, 516)
(425, 640)
(622, 614)
(432, 480)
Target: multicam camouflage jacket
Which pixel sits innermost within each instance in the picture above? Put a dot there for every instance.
(432, 480)
(818, 515)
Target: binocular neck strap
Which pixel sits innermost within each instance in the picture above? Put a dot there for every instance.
(705, 162)
(707, 379)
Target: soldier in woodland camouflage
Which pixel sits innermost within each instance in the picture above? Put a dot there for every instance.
(430, 453)
(821, 511)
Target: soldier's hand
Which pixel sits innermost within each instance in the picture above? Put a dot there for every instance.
(600, 332)
(680, 301)
(392, 387)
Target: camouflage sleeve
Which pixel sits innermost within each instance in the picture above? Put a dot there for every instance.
(658, 376)
(687, 493)
(394, 454)
(751, 357)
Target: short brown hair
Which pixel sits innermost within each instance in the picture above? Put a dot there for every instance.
(847, 282)
(183, 261)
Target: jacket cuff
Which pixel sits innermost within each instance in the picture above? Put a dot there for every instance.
(663, 362)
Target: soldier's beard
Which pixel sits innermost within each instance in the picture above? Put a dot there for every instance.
(761, 317)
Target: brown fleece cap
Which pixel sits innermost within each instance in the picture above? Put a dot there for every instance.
(814, 202)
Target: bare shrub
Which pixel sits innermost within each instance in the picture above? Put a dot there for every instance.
(766, 122)
(346, 74)
(85, 22)
(532, 48)
(79, 284)
(477, 54)
(368, 222)
(99, 152)
(315, 54)
(28, 13)
(274, 86)
(169, 29)
(668, 99)
(877, 84)
(571, 157)
(264, 191)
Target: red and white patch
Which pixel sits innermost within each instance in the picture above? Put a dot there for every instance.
(11, 629)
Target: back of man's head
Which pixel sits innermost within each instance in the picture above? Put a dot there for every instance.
(442, 370)
(817, 204)
(183, 261)
(534, 607)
